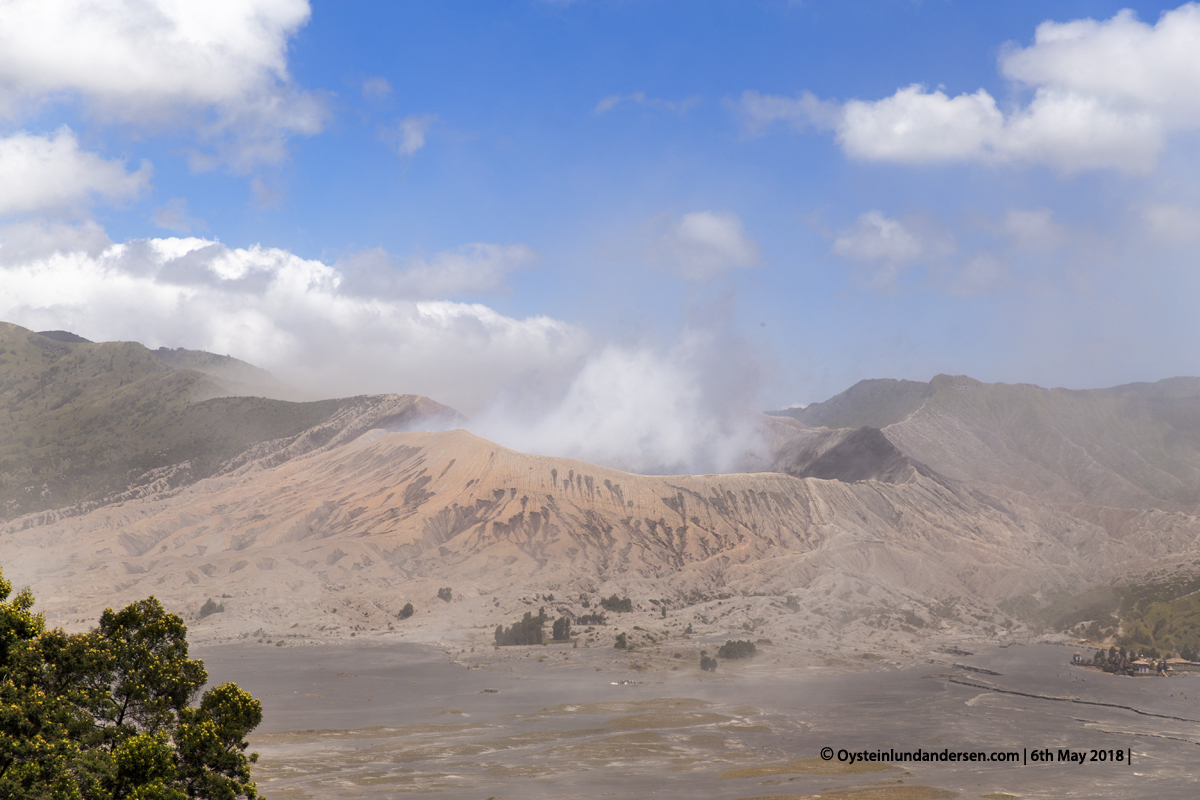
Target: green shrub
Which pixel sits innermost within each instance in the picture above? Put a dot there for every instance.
(211, 608)
(736, 649)
(617, 604)
(562, 629)
(84, 716)
(445, 594)
(622, 642)
(527, 631)
(590, 619)
(406, 612)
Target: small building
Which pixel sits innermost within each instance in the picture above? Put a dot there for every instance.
(1077, 658)
(1141, 667)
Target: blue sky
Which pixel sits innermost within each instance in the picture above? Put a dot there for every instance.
(757, 203)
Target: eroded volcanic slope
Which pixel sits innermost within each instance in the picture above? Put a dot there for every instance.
(1132, 447)
(392, 517)
(83, 424)
(126, 472)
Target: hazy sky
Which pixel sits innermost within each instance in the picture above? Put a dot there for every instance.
(719, 203)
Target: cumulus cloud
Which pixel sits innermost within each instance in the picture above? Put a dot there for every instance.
(52, 173)
(885, 247)
(1105, 95)
(702, 245)
(275, 309)
(641, 99)
(218, 66)
(472, 269)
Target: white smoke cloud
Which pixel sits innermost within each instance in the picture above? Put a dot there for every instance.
(272, 308)
(639, 410)
(1106, 94)
(219, 67)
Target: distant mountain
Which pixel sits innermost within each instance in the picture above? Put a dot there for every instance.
(83, 423)
(64, 336)
(1135, 446)
(954, 505)
(234, 376)
(873, 403)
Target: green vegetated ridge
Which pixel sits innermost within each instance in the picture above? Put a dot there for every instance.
(80, 421)
(1159, 616)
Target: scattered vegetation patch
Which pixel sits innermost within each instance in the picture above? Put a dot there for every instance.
(527, 631)
(617, 604)
(1153, 617)
(211, 607)
(590, 619)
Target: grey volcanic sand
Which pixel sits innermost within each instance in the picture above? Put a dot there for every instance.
(367, 720)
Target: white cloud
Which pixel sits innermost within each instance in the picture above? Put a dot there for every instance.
(703, 244)
(272, 308)
(917, 126)
(1068, 131)
(639, 98)
(49, 173)
(473, 269)
(412, 132)
(218, 66)
(1105, 96)
(26, 242)
(1122, 62)
(886, 247)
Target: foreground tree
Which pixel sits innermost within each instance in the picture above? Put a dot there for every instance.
(108, 714)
